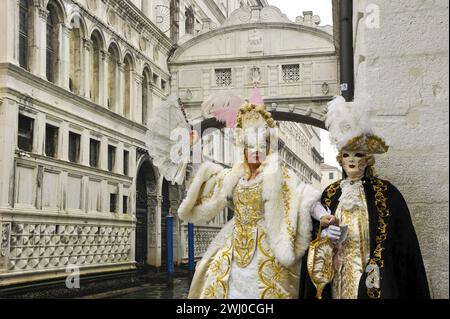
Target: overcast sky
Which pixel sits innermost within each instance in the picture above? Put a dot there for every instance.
(323, 8)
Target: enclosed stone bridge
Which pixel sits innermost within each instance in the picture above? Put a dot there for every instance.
(294, 64)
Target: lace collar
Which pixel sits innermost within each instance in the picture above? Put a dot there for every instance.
(350, 198)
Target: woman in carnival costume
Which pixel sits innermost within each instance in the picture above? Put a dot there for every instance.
(258, 253)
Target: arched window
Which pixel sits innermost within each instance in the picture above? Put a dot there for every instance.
(25, 28)
(52, 47)
(145, 95)
(97, 45)
(113, 65)
(76, 36)
(127, 68)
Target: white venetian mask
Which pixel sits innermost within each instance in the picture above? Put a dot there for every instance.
(354, 163)
(255, 145)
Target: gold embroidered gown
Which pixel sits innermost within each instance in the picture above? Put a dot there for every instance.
(245, 266)
(354, 252)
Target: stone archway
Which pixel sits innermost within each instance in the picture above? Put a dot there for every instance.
(146, 212)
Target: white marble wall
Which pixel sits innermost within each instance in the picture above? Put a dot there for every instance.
(401, 57)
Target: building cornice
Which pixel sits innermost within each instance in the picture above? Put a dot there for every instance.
(250, 26)
(8, 69)
(128, 9)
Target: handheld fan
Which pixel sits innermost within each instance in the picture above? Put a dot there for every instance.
(168, 139)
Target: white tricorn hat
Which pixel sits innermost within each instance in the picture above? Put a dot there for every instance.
(351, 129)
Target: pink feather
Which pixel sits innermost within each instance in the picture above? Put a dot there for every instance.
(227, 115)
(256, 97)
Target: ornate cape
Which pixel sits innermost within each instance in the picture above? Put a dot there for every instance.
(393, 244)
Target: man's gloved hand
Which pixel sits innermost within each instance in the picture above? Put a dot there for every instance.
(332, 232)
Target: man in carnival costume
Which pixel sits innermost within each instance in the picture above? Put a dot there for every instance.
(258, 253)
(377, 254)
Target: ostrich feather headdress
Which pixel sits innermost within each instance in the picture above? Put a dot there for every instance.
(351, 129)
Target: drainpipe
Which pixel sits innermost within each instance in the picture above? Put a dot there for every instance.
(346, 49)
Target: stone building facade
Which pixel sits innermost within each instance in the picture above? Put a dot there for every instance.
(330, 174)
(401, 77)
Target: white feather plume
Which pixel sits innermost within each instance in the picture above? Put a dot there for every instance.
(347, 120)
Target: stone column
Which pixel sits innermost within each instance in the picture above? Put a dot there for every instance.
(119, 159)
(132, 162)
(64, 56)
(306, 79)
(64, 133)
(85, 87)
(9, 24)
(274, 81)
(158, 231)
(206, 82)
(120, 98)
(9, 112)
(103, 81)
(39, 134)
(136, 106)
(84, 147)
(38, 48)
(103, 156)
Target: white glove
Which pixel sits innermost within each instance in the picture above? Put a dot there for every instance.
(318, 211)
(332, 232)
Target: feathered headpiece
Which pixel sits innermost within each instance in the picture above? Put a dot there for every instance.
(351, 129)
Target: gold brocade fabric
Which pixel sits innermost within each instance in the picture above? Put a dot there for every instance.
(248, 207)
(246, 256)
(355, 250)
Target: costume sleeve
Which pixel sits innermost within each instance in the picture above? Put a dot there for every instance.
(203, 201)
(410, 273)
(308, 196)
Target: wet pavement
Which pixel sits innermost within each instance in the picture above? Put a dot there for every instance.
(164, 286)
(138, 284)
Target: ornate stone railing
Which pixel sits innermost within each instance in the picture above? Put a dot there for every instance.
(30, 246)
(203, 235)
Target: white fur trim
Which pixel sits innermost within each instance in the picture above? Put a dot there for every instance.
(205, 172)
(275, 220)
(209, 209)
(309, 196)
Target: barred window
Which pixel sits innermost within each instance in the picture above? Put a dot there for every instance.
(223, 77)
(126, 160)
(51, 140)
(112, 203)
(125, 204)
(25, 133)
(291, 73)
(94, 153)
(74, 147)
(111, 157)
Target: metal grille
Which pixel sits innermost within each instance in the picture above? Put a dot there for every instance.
(291, 73)
(223, 77)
